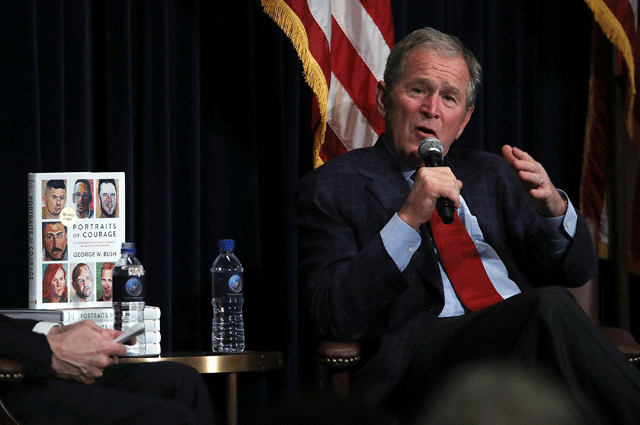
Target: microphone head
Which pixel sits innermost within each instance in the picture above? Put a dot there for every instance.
(430, 144)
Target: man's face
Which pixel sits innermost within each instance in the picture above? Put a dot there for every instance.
(82, 198)
(58, 283)
(107, 284)
(83, 284)
(54, 202)
(54, 238)
(108, 199)
(427, 101)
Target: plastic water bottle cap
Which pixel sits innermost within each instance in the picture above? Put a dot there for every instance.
(226, 244)
(128, 247)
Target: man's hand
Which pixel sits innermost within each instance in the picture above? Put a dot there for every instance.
(82, 350)
(535, 181)
(430, 183)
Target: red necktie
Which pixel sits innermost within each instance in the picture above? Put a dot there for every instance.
(462, 263)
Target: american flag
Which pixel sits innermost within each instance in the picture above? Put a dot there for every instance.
(617, 25)
(343, 46)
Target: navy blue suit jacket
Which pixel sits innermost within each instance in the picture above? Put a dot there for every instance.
(18, 342)
(354, 289)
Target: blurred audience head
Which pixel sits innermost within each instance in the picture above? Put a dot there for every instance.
(501, 393)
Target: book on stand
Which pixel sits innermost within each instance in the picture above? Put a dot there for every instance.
(76, 230)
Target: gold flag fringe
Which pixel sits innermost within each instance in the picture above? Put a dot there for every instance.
(612, 28)
(290, 23)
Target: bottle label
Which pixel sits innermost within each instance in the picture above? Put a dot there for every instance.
(226, 283)
(128, 288)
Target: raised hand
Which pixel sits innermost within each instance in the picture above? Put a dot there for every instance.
(535, 181)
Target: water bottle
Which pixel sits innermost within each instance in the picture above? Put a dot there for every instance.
(128, 296)
(227, 330)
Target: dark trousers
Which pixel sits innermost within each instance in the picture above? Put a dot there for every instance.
(151, 393)
(545, 328)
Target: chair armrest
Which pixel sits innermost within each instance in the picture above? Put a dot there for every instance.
(10, 371)
(339, 354)
(334, 361)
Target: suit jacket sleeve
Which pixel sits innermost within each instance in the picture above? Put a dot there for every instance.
(347, 273)
(352, 284)
(30, 349)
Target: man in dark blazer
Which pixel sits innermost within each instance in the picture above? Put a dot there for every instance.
(372, 272)
(72, 377)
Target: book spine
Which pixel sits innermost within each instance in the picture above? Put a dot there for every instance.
(152, 349)
(33, 255)
(152, 325)
(102, 314)
(152, 337)
(97, 314)
(151, 313)
(149, 325)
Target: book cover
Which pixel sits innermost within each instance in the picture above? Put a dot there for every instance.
(54, 316)
(76, 229)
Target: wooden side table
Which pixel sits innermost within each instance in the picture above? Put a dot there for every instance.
(229, 363)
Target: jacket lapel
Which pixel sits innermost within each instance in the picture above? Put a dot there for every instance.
(386, 182)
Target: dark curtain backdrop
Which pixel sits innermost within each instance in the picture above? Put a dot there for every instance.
(203, 106)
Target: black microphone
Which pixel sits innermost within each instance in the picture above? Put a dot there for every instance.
(430, 150)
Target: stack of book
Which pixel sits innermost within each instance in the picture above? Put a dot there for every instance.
(103, 316)
(76, 229)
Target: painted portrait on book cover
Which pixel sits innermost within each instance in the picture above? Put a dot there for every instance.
(54, 283)
(107, 198)
(105, 284)
(54, 198)
(82, 283)
(82, 197)
(54, 241)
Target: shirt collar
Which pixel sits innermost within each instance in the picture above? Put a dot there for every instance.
(406, 169)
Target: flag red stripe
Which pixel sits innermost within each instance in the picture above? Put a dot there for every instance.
(355, 76)
(332, 147)
(624, 14)
(318, 44)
